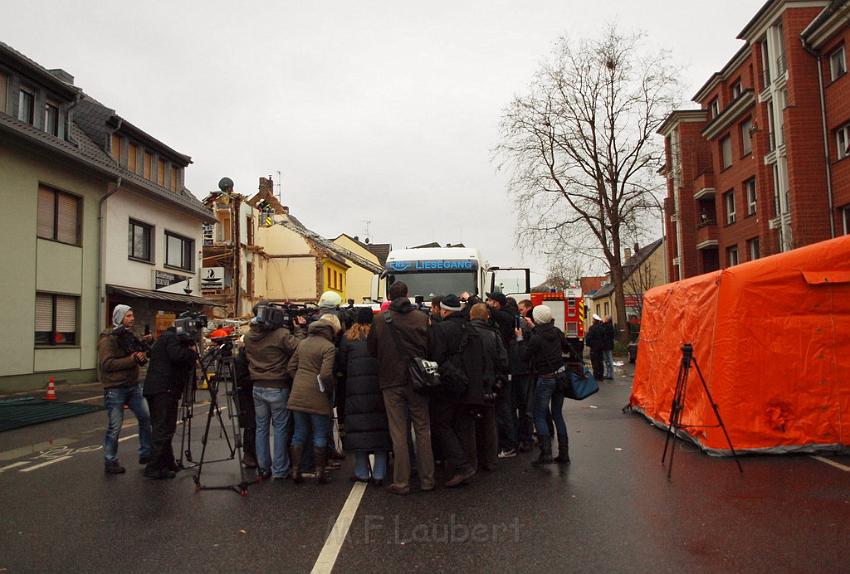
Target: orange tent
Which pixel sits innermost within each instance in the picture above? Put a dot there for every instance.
(772, 338)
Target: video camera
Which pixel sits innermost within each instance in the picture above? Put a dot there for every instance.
(273, 316)
(189, 325)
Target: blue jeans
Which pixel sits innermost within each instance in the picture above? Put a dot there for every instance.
(304, 423)
(608, 358)
(114, 400)
(361, 465)
(546, 392)
(270, 407)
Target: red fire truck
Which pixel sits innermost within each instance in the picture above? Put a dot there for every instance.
(567, 309)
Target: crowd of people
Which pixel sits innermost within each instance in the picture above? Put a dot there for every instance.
(353, 367)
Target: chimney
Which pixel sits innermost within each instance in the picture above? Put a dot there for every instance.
(63, 75)
(266, 184)
(637, 248)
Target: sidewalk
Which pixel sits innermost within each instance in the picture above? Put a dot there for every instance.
(66, 393)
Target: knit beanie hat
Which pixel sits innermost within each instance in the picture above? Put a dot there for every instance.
(364, 315)
(118, 314)
(542, 315)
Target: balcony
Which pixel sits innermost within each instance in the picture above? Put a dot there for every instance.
(704, 185)
(707, 234)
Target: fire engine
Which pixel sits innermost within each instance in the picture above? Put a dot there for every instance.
(567, 309)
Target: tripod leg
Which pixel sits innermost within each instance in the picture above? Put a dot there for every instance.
(213, 385)
(717, 414)
(673, 412)
(686, 369)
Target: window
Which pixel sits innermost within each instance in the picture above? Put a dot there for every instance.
(752, 200)
(55, 319)
(160, 172)
(179, 251)
(726, 152)
(753, 248)
(51, 118)
(737, 89)
(140, 241)
(845, 215)
(837, 64)
(842, 141)
(729, 202)
(249, 226)
(714, 108)
(329, 278)
(173, 185)
(26, 106)
(58, 216)
(249, 278)
(771, 136)
(147, 164)
(132, 157)
(115, 147)
(732, 256)
(747, 137)
(4, 82)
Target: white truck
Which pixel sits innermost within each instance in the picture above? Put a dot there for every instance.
(430, 271)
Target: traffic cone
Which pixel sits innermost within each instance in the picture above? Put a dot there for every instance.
(51, 391)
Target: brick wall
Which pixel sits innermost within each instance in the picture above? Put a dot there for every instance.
(837, 97)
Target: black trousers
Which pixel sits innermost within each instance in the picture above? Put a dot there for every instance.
(163, 408)
(598, 364)
(447, 418)
(247, 420)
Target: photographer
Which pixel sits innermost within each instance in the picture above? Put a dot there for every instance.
(172, 360)
(268, 346)
(120, 354)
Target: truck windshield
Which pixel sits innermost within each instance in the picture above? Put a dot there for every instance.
(430, 284)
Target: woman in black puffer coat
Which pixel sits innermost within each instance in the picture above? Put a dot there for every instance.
(366, 426)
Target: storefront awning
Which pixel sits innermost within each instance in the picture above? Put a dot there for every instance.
(159, 295)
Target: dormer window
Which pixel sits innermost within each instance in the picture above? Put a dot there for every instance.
(26, 106)
(51, 118)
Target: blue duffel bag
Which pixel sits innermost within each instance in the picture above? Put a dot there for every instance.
(581, 386)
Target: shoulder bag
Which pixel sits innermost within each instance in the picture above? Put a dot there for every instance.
(424, 374)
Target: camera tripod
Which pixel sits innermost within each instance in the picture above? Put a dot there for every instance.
(679, 406)
(221, 356)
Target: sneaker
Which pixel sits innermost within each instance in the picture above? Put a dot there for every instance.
(113, 468)
(507, 453)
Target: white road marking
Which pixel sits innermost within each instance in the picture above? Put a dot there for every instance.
(15, 465)
(43, 464)
(832, 463)
(122, 439)
(330, 551)
(100, 397)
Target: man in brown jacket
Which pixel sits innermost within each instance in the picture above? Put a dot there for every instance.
(411, 327)
(118, 368)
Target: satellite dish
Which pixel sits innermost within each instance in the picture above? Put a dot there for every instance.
(225, 184)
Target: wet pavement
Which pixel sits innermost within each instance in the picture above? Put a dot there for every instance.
(611, 510)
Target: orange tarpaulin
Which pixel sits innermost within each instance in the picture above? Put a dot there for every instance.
(772, 338)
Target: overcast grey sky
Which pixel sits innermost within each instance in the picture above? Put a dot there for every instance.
(378, 111)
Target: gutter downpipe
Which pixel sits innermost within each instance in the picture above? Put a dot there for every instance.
(825, 137)
(101, 293)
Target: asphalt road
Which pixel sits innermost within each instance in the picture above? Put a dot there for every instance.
(612, 510)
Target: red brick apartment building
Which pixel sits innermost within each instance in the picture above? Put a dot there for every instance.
(764, 165)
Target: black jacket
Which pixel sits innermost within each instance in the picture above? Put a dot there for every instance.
(504, 323)
(595, 337)
(446, 339)
(171, 364)
(543, 349)
(412, 329)
(495, 357)
(366, 426)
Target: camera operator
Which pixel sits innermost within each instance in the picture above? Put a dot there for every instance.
(120, 355)
(172, 360)
(268, 346)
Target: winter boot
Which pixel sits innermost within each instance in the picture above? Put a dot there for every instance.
(295, 453)
(321, 454)
(545, 456)
(563, 449)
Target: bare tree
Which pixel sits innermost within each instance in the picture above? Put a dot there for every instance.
(583, 152)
